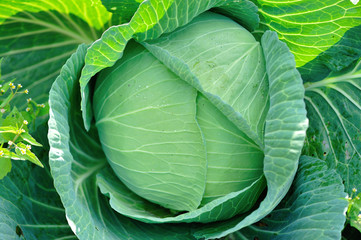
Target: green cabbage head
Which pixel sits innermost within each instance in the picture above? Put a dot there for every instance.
(165, 139)
(186, 124)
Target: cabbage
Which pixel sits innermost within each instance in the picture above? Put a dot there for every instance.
(182, 119)
(164, 139)
(189, 126)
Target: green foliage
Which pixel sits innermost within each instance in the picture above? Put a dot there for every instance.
(122, 11)
(30, 207)
(64, 99)
(211, 117)
(15, 140)
(172, 99)
(38, 36)
(354, 209)
(309, 28)
(315, 201)
(333, 106)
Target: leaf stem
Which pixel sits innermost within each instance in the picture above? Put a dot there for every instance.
(323, 83)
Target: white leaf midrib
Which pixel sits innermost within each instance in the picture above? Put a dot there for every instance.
(350, 77)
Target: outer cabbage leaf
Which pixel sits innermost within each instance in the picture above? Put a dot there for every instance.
(332, 78)
(333, 105)
(336, 58)
(36, 38)
(129, 204)
(314, 208)
(308, 27)
(122, 10)
(30, 207)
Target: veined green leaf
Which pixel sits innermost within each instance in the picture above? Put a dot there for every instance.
(8, 129)
(29, 139)
(333, 106)
(122, 10)
(27, 154)
(6, 153)
(36, 38)
(314, 208)
(94, 14)
(336, 58)
(30, 208)
(7, 133)
(308, 27)
(13, 125)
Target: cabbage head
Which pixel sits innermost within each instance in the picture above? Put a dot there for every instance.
(186, 124)
(165, 140)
